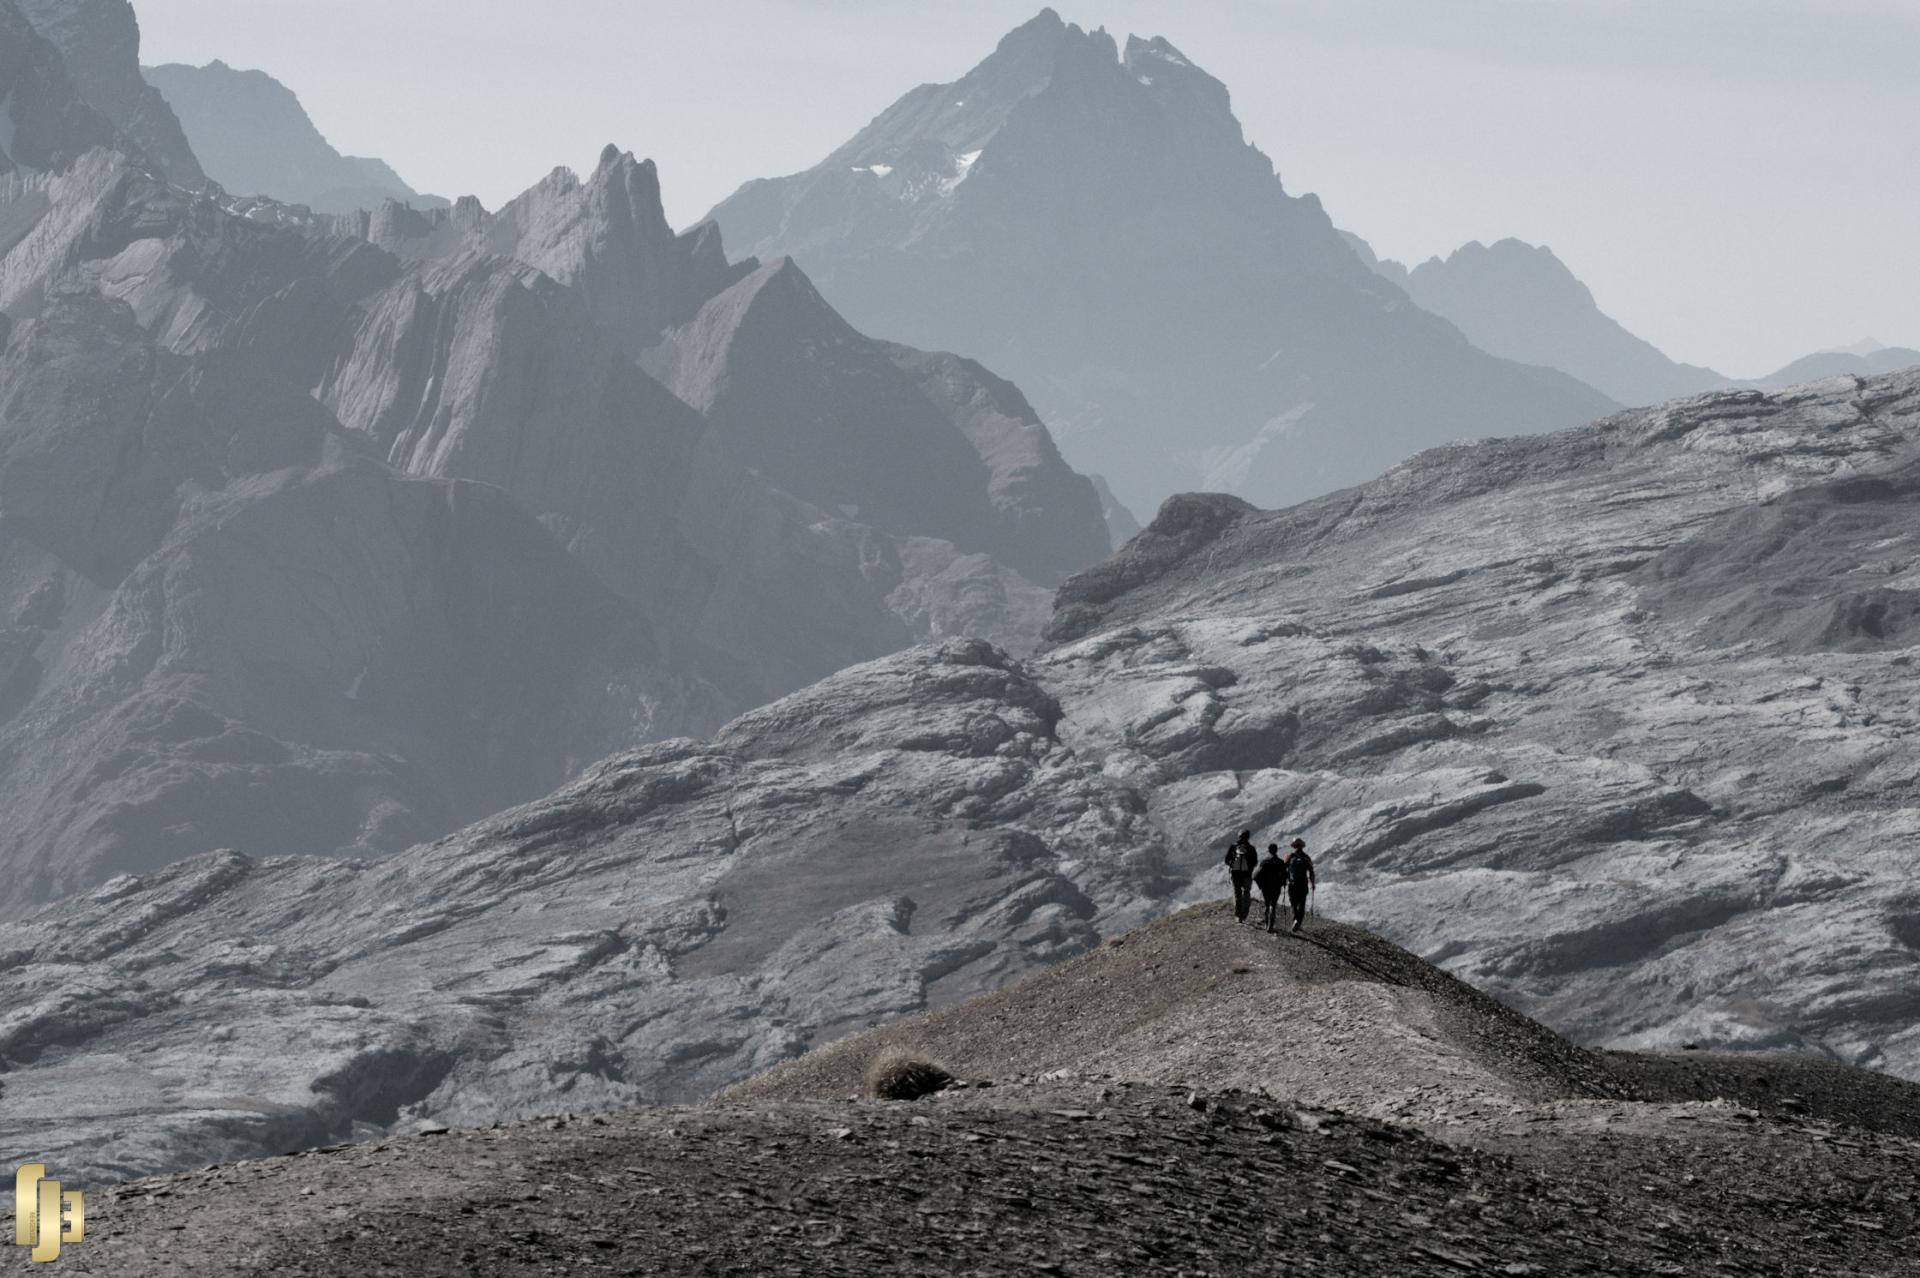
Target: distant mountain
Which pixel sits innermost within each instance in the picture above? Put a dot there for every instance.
(100, 43)
(1809, 368)
(1091, 222)
(255, 138)
(1865, 346)
(1520, 302)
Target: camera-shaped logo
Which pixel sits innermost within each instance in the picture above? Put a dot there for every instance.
(44, 1216)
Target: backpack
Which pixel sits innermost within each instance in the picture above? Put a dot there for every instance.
(1244, 859)
(1299, 871)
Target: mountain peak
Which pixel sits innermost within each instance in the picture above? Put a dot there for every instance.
(1046, 25)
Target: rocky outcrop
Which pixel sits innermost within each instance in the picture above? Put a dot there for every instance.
(253, 137)
(1520, 302)
(1089, 221)
(606, 237)
(45, 123)
(100, 43)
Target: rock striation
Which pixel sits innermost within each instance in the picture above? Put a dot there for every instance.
(253, 137)
(1089, 220)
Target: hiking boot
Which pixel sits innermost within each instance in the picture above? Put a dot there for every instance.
(1296, 925)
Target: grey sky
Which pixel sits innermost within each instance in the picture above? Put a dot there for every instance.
(1738, 180)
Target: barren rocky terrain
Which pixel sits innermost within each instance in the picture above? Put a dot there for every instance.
(1131, 1151)
(1608, 722)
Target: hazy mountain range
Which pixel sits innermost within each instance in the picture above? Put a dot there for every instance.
(1519, 301)
(255, 138)
(1091, 222)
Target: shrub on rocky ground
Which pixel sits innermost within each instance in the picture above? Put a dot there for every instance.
(898, 1075)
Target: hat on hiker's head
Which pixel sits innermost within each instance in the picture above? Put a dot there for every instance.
(1299, 843)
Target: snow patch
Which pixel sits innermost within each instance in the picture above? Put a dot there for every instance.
(7, 126)
(1168, 55)
(878, 170)
(963, 166)
(1144, 79)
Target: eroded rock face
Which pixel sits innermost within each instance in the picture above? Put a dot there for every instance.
(100, 43)
(232, 627)
(906, 833)
(1089, 220)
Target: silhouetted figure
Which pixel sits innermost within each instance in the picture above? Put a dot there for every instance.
(1241, 858)
(1271, 878)
(1300, 881)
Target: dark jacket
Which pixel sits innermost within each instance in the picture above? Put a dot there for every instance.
(1300, 873)
(1271, 876)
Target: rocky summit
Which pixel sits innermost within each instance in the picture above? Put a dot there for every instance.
(1161, 1104)
(1088, 219)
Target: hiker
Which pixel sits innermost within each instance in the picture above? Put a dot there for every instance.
(1270, 878)
(1241, 858)
(1300, 881)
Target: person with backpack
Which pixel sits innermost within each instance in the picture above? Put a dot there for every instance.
(1270, 878)
(1241, 858)
(1300, 881)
